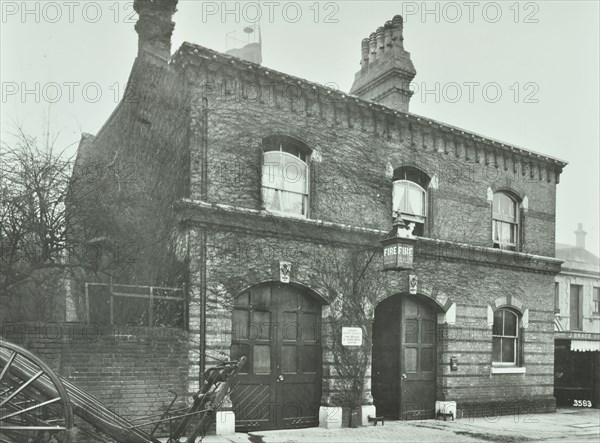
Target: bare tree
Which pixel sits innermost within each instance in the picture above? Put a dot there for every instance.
(33, 189)
(354, 282)
(37, 249)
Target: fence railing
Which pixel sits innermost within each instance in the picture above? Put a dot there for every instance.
(150, 306)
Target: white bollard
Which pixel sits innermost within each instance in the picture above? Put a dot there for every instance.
(445, 409)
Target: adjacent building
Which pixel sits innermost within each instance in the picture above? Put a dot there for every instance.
(577, 326)
(269, 196)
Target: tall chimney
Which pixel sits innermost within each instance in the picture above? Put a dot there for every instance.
(580, 236)
(364, 47)
(154, 26)
(372, 47)
(385, 77)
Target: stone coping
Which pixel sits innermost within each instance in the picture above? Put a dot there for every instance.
(260, 222)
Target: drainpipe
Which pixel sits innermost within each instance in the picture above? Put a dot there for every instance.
(203, 196)
(204, 150)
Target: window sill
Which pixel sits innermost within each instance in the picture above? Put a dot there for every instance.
(285, 214)
(508, 370)
(412, 218)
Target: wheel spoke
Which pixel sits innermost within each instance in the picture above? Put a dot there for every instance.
(40, 405)
(8, 364)
(33, 399)
(23, 386)
(31, 419)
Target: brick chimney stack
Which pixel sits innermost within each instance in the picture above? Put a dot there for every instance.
(154, 26)
(580, 236)
(386, 69)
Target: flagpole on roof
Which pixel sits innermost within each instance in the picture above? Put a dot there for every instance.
(259, 36)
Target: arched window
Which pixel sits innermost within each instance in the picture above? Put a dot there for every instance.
(285, 176)
(505, 221)
(409, 200)
(505, 338)
(409, 197)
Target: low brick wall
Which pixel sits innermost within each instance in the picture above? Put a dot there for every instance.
(523, 410)
(130, 369)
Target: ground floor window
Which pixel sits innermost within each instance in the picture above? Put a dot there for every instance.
(505, 337)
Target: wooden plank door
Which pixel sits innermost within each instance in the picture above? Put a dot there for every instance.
(417, 360)
(385, 383)
(277, 327)
(254, 394)
(299, 360)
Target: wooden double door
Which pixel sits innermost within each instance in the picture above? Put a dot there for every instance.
(277, 327)
(404, 358)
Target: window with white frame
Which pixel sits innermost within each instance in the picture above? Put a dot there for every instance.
(409, 200)
(409, 196)
(505, 221)
(285, 175)
(505, 338)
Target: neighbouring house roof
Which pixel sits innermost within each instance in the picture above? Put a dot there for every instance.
(577, 259)
(190, 53)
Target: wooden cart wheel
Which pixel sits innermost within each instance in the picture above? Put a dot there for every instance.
(34, 404)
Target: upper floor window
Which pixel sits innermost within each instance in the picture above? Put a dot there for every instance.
(556, 297)
(575, 307)
(285, 175)
(596, 300)
(505, 221)
(505, 338)
(409, 200)
(409, 196)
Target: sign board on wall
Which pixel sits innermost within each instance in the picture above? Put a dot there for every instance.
(351, 336)
(577, 335)
(398, 256)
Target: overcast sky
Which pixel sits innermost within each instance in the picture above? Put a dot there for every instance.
(535, 66)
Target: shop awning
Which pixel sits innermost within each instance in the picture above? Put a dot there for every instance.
(585, 345)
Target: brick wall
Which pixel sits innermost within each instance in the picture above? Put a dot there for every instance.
(353, 147)
(127, 179)
(349, 186)
(130, 369)
(236, 261)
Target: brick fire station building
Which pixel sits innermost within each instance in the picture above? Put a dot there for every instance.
(255, 188)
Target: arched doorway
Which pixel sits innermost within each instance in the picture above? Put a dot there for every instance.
(404, 358)
(278, 328)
